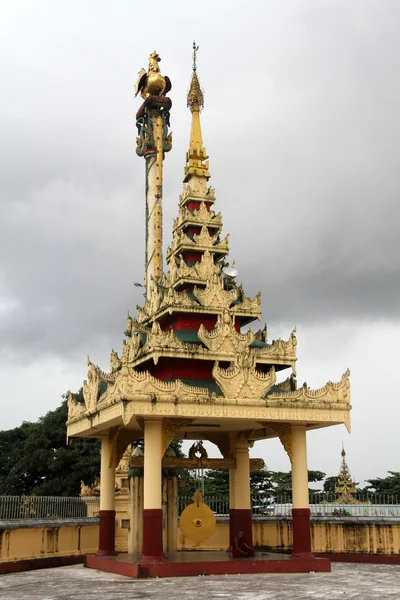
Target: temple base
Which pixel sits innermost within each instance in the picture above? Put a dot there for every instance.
(301, 533)
(194, 563)
(152, 536)
(106, 533)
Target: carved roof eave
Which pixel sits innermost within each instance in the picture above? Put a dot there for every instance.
(193, 222)
(189, 280)
(198, 309)
(197, 218)
(335, 394)
(218, 249)
(189, 195)
(135, 394)
(124, 407)
(198, 352)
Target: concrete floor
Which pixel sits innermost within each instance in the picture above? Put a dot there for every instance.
(347, 581)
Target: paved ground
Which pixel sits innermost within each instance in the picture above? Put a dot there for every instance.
(347, 581)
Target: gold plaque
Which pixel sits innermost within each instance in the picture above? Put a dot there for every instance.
(197, 521)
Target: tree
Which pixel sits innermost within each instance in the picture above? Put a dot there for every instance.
(330, 484)
(386, 485)
(37, 460)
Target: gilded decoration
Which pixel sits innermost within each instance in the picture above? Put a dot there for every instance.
(115, 362)
(284, 432)
(331, 393)
(75, 407)
(175, 300)
(198, 217)
(91, 386)
(248, 305)
(131, 347)
(123, 465)
(242, 380)
(197, 242)
(152, 83)
(199, 272)
(224, 339)
(214, 294)
(189, 194)
(169, 429)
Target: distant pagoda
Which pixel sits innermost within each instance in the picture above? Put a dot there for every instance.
(345, 487)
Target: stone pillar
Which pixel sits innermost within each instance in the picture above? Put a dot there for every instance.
(135, 539)
(172, 514)
(301, 510)
(152, 500)
(154, 164)
(240, 517)
(107, 500)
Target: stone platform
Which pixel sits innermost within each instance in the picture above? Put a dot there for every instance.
(195, 563)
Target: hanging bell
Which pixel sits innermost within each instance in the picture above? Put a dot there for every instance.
(197, 521)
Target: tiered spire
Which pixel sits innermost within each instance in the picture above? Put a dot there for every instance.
(345, 487)
(196, 157)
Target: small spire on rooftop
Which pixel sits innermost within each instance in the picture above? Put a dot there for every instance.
(195, 93)
(196, 157)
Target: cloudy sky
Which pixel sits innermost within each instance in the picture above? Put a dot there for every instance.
(302, 126)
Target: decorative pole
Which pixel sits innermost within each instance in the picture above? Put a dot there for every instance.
(152, 121)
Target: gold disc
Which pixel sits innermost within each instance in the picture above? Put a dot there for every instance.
(197, 521)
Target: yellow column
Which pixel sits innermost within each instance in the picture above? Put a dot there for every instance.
(299, 467)
(232, 450)
(152, 464)
(107, 499)
(107, 476)
(241, 482)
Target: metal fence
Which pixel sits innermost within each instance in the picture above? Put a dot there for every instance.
(64, 507)
(47, 507)
(371, 505)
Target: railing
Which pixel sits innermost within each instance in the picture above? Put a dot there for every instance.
(367, 505)
(47, 507)
(60, 507)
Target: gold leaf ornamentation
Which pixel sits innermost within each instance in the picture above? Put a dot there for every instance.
(214, 294)
(91, 386)
(284, 432)
(224, 338)
(242, 380)
(331, 393)
(75, 408)
(169, 429)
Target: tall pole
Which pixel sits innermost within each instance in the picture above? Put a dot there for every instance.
(152, 121)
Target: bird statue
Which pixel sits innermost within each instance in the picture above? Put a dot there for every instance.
(152, 83)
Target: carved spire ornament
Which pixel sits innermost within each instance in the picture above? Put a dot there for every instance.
(196, 157)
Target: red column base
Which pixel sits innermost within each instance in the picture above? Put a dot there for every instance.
(152, 536)
(107, 533)
(240, 522)
(301, 533)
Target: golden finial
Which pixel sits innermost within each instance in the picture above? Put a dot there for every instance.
(195, 94)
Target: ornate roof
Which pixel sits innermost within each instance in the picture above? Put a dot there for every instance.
(185, 356)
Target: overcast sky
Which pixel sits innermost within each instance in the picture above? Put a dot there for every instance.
(301, 122)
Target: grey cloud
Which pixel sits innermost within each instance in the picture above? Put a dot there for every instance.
(301, 124)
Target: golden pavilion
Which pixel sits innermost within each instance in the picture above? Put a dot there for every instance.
(190, 366)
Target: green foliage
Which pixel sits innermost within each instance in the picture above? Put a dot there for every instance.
(330, 484)
(216, 482)
(385, 485)
(36, 459)
(341, 512)
(265, 483)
